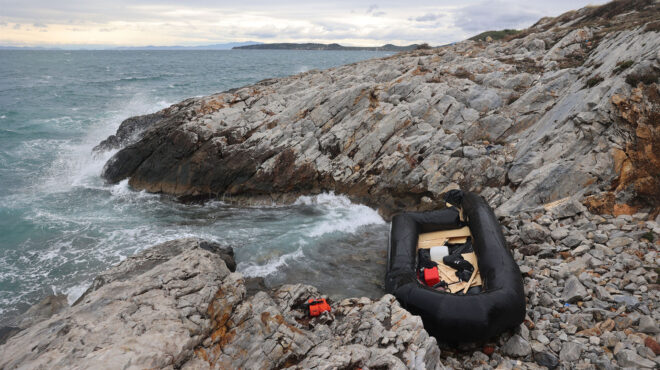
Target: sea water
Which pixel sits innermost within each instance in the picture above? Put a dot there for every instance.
(60, 224)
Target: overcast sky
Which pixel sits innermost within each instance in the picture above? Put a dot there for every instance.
(201, 22)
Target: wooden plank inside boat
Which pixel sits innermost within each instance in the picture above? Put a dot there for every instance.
(438, 238)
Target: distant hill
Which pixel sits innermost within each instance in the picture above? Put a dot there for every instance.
(315, 46)
(495, 35)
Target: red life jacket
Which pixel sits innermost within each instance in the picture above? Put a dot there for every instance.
(317, 306)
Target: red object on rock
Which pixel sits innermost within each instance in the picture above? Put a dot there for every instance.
(317, 306)
(431, 276)
(488, 350)
(653, 345)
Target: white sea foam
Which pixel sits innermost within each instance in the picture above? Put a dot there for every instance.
(340, 214)
(75, 165)
(123, 190)
(272, 266)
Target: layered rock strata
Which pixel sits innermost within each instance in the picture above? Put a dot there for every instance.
(567, 107)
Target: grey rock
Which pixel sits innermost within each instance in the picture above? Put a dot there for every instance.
(621, 241)
(129, 132)
(43, 310)
(567, 207)
(648, 325)
(573, 290)
(160, 310)
(559, 233)
(533, 233)
(628, 358)
(627, 300)
(178, 305)
(570, 352)
(470, 152)
(546, 359)
(517, 346)
(363, 129)
(572, 240)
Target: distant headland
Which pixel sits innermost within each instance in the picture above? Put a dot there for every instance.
(316, 46)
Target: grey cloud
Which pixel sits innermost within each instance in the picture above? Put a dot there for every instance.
(428, 17)
(39, 25)
(17, 26)
(427, 20)
(489, 15)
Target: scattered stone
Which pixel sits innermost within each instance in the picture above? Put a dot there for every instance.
(516, 346)
(572, 240)
(621, 241)
(628, 300)
(563, 208)
(559, 233)
(573, 290)
(546, 359)
(533, 233)
(653, 345)
(628, 358)
(648, 325)
(570, 352)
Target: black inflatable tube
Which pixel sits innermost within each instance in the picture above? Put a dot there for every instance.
(453, 317)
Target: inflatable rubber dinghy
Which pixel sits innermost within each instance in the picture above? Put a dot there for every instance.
(449, 317)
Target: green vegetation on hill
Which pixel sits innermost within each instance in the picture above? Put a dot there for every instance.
(495, 35)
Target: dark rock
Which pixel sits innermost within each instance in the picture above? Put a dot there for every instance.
(255, 285)
(7, 332)
(43, 310)
(529, 249)
(533, 233)
(129, 131)
(546, 359)
(225, 252)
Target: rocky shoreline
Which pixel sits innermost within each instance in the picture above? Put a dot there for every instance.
(565, 108)
(591, 284)
(557, 127)
(179, 305)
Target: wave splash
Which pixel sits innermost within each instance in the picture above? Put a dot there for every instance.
(340, 214)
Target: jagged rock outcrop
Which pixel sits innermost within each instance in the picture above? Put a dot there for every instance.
(177, 304)
(147, 312)
(525, 122)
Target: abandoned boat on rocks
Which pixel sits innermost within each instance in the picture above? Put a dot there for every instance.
(451, 314)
